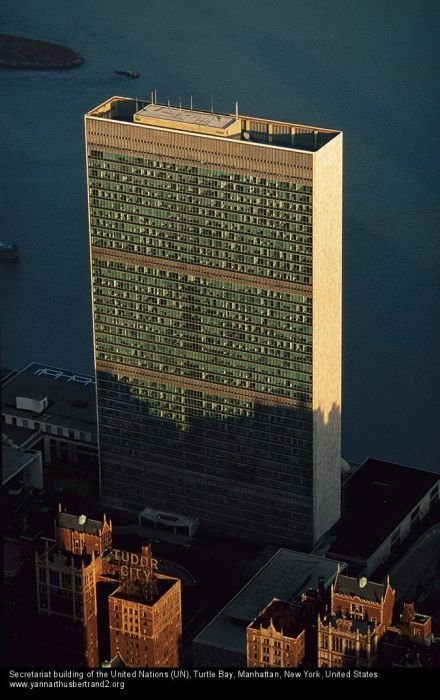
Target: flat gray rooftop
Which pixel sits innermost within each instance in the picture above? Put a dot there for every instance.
(71, 396)
(19, 436)
(285, 576)
(13, 462)
(187, 116)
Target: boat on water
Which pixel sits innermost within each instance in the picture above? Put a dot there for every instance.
(128, 73)
(8, 251)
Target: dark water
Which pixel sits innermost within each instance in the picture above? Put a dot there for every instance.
(369, 68)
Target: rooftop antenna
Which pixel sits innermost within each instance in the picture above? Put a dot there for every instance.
(236, 109)
(191, 102)
(212, 103)
(152, 97)
(180, 103)
(168, 102)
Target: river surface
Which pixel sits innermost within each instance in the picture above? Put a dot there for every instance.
(368, 68)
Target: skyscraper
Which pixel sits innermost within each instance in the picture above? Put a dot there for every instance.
(216, 280)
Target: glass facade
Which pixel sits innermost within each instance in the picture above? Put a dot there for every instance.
(226, 221)
(203, 343)
(206, 455)
(204, 329)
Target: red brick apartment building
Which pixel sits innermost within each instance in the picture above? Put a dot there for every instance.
(143, 607)
(277, 636)
(354, 631)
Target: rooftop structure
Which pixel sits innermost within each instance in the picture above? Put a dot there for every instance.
(350, 624)
(71, 396)
(51, 409)
(363, 600)
(79, 523)
(277, 636)
(385, 501)
(78, 533)
(133, 592)
(169, 522)
(229, 126)
(188, 120)
(285, 576)
(113, 601)
(361, 588)
(282, 616)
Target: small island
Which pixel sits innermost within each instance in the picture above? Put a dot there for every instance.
(20, 53)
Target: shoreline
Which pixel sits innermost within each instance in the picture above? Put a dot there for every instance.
(32, 54)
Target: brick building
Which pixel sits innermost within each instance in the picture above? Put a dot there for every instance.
(411, 643)
(93, 598)
(349, 625)
(81, 534)
(346, 642)
(52, 410)
(146, 623)
(67, 606)
(363, 600)
(360, 612)
(286, 576)
(413, 624)
(276, 637)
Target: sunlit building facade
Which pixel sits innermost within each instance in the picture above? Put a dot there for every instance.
(216, 284)
(146, 631)
(96, 603)
(277, 636)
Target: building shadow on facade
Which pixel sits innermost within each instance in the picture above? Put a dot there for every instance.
(250, 470)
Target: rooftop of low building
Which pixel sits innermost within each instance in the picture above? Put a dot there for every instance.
(71, 396)
(79, 523)
(285, 576)
(379, 495)
(359, 587)
(285, 618)
(65, 559)
(14, 461)
(350, 624)
(139, 592)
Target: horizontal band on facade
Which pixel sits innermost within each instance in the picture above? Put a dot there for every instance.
(182, 268)
(209, 388)
(197, 150)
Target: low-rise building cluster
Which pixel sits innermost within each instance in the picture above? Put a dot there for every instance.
(351, 625)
